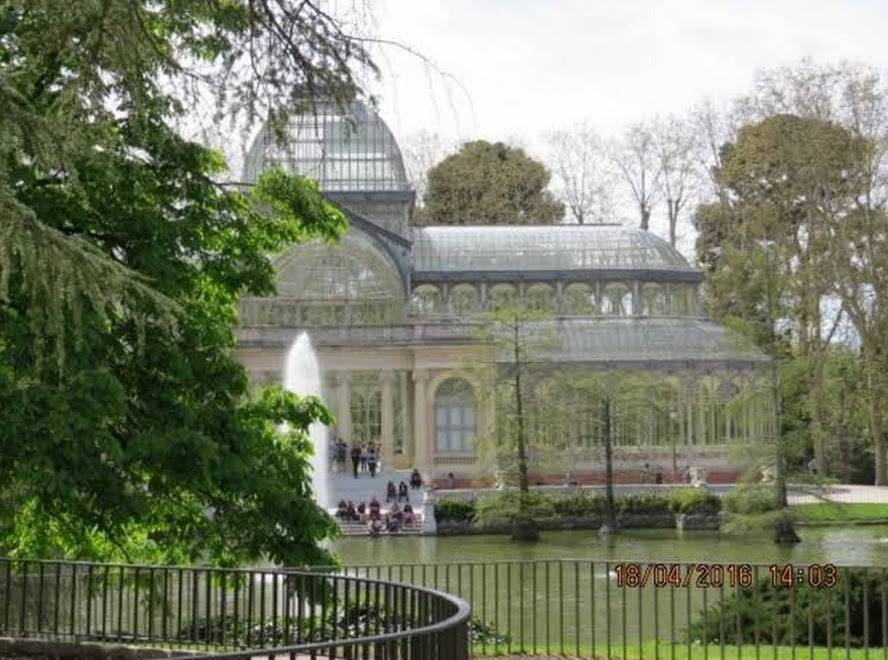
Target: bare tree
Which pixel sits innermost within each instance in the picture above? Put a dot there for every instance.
(421, 151)
(635, 157)
(676, 148)
(583, 173)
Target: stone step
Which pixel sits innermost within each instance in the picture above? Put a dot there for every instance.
(351, 528)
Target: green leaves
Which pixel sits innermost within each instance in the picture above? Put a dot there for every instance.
(128, 431)
(488, 183)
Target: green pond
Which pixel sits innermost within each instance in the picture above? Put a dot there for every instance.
(563, 593)
(854, 545)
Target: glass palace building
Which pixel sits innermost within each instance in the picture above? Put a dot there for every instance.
(393, 309)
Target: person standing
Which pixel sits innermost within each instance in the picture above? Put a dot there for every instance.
(371, 463)
(356, 458)
(363, 457)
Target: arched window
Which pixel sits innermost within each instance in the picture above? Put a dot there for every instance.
(653, 300)
(501, 296)
(682, 299)
(579, 300)
(426, 300)
(463, 299)
(366, 412)
(540, 297)
(454, 416)
(617, 300)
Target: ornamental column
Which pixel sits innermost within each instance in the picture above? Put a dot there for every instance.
(343, 406)
(387, 415)
(420, 426)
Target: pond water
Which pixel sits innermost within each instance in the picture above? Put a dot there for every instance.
(531, 596)
(854, 545)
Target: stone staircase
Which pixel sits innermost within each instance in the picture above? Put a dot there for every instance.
(360, 529)
(343, 486)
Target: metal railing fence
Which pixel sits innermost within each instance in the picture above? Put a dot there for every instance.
(641, 609)
(236, 613)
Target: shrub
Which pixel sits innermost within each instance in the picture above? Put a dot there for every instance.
(504, 507)
(455, 510)
(761, 612)
(693, 500)
(750, 498)
(579, 505)
(648, 503)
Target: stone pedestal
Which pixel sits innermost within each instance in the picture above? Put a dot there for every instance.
(698, 476)
(429, 525)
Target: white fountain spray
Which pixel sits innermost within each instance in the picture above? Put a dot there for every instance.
(302, 376)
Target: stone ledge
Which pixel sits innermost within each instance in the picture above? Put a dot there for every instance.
(42, 648)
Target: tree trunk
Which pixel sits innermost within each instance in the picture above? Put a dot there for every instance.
(672, 209)
(780, 460)
(610, 523)
(645, 216)
(523, 527)
(875, 425)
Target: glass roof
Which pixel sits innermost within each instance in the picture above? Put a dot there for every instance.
(540, 247)
(351, 269)
(352, 151)
(627, 339)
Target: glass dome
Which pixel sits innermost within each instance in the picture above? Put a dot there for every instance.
(541, 247)
(345, 152)
(351, 270)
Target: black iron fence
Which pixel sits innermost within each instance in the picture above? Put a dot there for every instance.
(669, 610)
(231, 612)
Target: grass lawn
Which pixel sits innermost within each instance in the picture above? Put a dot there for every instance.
(649, 651)
(828, 512)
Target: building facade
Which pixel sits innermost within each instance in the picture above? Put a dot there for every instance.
(393, 311)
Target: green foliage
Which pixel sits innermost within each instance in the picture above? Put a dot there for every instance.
(694, 500)
(486, 183)
(485, 634)
(750, 499)
(510, 506)
(578, 506)
(124, 256)
(454, 510)
(781, 616)
(647, 503)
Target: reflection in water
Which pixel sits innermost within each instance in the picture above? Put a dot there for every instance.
(862, 546)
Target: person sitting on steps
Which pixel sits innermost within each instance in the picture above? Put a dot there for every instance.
(375, 527)
(341, 510)
(350, 512)
(362, 512)
(409, 516)
(374, 508)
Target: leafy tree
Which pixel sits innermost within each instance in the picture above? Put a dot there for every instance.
(764, 243)
(490, 183)
(123, 253)
(518, 336)
(598, 402)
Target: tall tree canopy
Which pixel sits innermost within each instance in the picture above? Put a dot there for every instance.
(490, 183)
(122, 257)
(770, 243)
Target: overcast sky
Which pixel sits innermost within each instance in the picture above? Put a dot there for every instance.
(523, 67)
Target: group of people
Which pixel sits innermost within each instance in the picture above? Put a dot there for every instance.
(377, 520)
(364, 457)
(372, 514)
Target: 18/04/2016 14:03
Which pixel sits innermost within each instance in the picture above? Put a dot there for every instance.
(639, 575)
